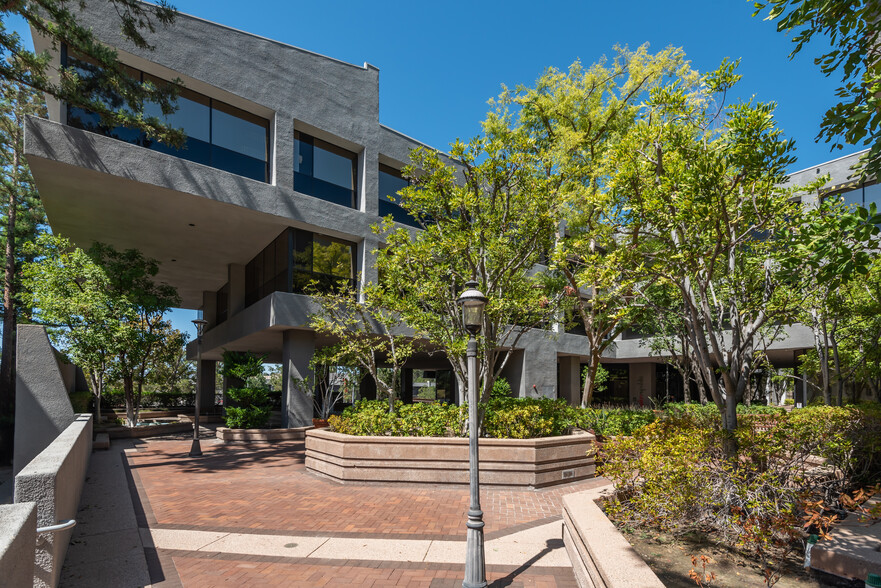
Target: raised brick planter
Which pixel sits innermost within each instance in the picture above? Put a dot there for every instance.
(529, 463)
(261, 435)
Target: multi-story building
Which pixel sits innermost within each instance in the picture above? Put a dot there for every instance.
(286, 169)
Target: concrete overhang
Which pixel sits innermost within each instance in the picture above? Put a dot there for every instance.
(96, 188)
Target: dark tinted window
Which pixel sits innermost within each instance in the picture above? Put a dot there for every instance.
(324, 170)
(300, 261)
(218, 135)
(390, 183)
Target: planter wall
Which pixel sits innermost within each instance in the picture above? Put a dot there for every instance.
(601, 557)
(150, 431)
(261, 435)
(529, 463)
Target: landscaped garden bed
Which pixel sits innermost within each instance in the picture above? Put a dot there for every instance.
(750, 513)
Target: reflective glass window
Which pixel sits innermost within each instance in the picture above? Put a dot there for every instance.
(872, 194)
(390, 183)
(324, 170)
(218, 135)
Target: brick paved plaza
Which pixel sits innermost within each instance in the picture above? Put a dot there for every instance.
(253, 516)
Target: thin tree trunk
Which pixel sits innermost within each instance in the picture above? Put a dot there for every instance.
(7, 358)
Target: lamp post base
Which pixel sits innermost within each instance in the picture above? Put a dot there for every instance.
(475, 564)
(195, 449)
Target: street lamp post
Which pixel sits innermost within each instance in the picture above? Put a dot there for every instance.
(473, 302)
(196, 448)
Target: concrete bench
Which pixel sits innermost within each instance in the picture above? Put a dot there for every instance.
(102, 441)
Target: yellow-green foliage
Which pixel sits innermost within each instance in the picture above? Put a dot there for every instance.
(673, 474)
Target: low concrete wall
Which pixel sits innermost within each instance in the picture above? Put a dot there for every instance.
(54, 480)
(601, 557)
(261, 435)
(531, 463)
(42, 405)
(18, 535)
(147, 431)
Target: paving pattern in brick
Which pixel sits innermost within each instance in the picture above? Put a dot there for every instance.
(267, 490)
(262, 489)
(213, 571)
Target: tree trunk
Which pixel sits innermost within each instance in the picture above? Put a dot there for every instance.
(587, 391)
(7, 359)
(128, 390)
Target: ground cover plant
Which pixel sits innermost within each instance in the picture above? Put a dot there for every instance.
(794, 474)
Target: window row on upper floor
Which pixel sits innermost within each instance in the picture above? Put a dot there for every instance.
(217, 134)
(231, 139)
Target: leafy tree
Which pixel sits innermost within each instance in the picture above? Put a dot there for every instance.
(143, 329)
(110, 308)
(23, 218)
(249, 391)
(369, 336)
(59, 22)
(852, 29)
(574, 118)
(69, 292)
(485, 218)
(697, 190)
(170, 373)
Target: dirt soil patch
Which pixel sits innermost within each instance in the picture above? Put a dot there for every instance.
(670, 558)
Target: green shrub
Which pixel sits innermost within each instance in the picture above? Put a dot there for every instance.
(610, 422)
(250, 406)
(672, 474)
(371, 417)
(501, 389)
(526, 418)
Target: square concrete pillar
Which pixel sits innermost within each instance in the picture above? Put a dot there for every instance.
(642, 384)
(570, 379)
(206, 376)
(298, 347)
(539, 377)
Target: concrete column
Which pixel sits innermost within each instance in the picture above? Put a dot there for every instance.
(236, 288)
(368, 172)
(367, 262)
(209, 308)
(570, 379)
(208, 382)
(642, 384)
(539, 376)
(283, 150)
(298, 347)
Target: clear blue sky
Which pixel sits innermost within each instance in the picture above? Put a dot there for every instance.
(440, 62)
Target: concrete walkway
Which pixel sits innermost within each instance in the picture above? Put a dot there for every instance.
(253, 516)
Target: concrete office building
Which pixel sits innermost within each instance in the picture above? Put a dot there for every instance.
(286, 168)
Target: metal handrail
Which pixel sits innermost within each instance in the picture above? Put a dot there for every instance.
(63, 525)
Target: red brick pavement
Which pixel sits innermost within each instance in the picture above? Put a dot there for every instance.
(263, 489)
(266, 489)
(211, 572)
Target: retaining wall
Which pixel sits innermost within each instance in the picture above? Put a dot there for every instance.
(261, 435)
(601, 557)
(18, 535)
(531, 463)
(54, 481)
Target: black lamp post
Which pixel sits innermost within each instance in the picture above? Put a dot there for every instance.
(473, 302)
(196, 448)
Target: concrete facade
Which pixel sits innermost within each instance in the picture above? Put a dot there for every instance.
(54, 481)
(18, 535)
(213, 222)
(42, 405)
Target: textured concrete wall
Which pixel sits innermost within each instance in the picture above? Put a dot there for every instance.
(42, 405)
(18, 534)
(54, 481)
(601, 557)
